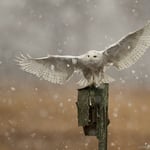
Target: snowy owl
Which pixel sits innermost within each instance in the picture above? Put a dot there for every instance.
(93, 64)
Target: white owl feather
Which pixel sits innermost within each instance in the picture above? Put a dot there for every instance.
(58, 69)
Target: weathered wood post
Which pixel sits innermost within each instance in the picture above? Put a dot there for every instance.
(92, 108)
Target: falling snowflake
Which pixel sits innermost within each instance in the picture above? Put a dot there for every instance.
(146, 75)
(129, 104)
(12, 88)
(61, 104)
(69, 99)
(133, 71)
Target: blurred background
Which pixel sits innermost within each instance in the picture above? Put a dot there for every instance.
(37, 115)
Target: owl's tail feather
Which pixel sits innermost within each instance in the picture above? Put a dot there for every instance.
(107, 79)
(97, 81)
(83, 82)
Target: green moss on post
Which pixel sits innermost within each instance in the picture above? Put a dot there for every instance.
(92, 107)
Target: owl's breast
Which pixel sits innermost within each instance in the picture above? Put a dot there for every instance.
(94, 66)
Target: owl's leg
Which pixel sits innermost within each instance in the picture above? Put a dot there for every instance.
(102, 76)
(87, 80)
(89, 77)
(96, 80)
(99, 77)
(90, 80)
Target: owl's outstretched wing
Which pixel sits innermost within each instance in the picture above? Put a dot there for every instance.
(56, 69)
(129, 49)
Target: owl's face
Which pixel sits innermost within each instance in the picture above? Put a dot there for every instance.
(93, 56)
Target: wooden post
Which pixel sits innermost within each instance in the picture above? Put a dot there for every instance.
(92, 107)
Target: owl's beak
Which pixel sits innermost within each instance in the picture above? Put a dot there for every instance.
(91, 61)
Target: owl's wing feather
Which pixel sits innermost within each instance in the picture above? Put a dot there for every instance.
(129, 49)
(56, 69)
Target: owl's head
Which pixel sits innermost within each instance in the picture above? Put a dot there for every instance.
(93, 56)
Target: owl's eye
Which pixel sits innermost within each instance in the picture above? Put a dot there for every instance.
(94, 56)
